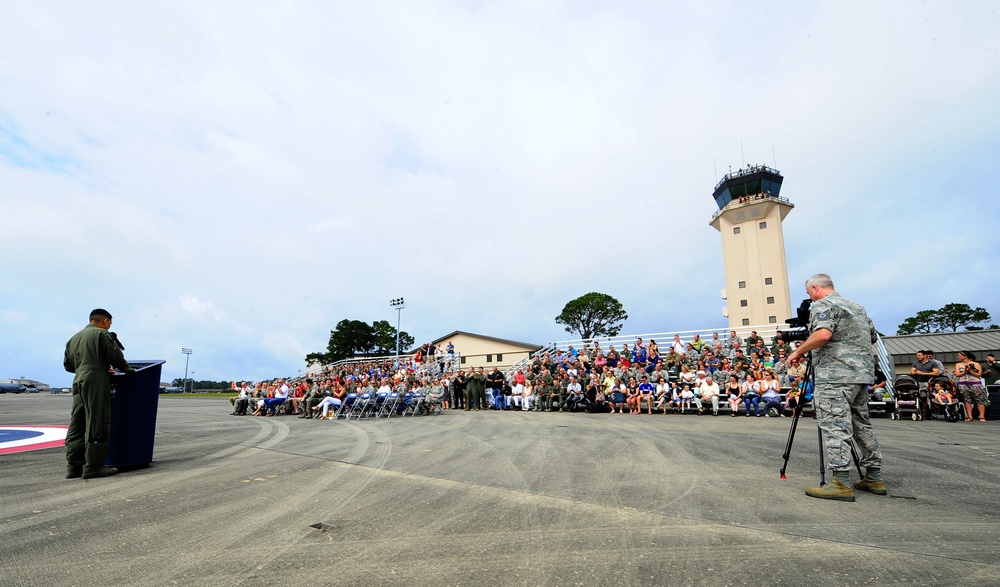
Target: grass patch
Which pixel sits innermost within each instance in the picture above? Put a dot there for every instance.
(200, 394)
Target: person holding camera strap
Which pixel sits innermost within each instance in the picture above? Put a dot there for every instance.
(841, 337)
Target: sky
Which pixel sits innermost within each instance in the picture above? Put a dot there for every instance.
(238, 177)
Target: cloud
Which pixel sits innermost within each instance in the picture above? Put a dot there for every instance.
(238, 187)
(201, 310)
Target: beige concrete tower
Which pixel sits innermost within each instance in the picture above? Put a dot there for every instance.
(753, 248)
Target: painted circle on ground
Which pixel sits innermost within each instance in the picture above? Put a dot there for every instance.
(24, 438)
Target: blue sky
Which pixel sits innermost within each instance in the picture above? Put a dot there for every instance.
(238, 177)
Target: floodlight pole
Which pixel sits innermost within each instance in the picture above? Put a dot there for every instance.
(187, 355)
(398, 304)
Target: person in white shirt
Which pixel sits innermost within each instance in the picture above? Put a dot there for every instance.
(709, 393)
(678, 346)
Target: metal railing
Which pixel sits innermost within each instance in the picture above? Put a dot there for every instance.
(752, 199)
(440, 364)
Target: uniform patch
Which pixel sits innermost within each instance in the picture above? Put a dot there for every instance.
(824, 315)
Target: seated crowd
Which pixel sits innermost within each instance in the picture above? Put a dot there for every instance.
(694, 377)
(697, 377)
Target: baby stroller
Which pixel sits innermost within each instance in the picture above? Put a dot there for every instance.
(953, 411)
(907, 398)
(597, 404)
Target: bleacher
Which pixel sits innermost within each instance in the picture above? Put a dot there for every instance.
(665, 339)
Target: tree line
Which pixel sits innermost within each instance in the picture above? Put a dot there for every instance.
(590, 316)
(949, 318)
(354, 338)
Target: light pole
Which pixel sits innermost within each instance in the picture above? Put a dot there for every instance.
(398, 304)
(187, 356)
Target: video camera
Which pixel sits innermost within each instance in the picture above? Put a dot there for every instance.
(799, 324)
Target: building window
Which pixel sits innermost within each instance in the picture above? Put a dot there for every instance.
(772, 319)
(743, 303)
(770, 299)
(499, 357)
(463, 360)
(768, 281)
(736, 230)
(743, 284)
(746, 322)
(763, 225)
(489, 358)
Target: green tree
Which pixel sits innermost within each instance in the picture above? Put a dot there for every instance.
(353, 337)
(594, 314)
(385, 338)
(947, 319)
(952, 316)
(349, 339)
(921, 323)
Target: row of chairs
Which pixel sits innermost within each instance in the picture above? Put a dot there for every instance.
(382, 405)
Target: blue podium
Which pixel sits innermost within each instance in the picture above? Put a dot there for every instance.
(134, 399)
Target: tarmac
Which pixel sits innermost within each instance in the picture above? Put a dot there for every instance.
(496, 498)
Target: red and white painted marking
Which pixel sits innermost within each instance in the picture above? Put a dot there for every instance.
(24, 438)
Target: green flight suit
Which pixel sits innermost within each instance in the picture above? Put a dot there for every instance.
(89, 354)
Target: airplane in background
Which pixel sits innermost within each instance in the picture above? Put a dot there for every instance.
(12, 388)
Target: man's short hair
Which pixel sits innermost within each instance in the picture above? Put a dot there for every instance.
(98, 314)
(820, 279)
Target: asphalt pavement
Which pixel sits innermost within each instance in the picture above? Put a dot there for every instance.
(496, 498)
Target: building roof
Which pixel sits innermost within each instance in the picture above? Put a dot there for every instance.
(945, 345)
(526, 345)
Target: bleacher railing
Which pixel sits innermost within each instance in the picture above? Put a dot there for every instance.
(440, 364)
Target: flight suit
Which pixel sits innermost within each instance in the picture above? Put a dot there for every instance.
(89, 354)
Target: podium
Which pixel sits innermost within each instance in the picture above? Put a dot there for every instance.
(134, 398)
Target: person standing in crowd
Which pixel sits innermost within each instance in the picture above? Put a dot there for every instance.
(991, 370)
(494, 388)
(841, 337)
(923, 370)
(460, 384)
(90, 355)
(969, 374)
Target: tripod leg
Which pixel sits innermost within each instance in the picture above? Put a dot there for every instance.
(857, 460)
(791, 436)
(822, 463)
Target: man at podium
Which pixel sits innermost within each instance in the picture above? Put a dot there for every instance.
(91, 354)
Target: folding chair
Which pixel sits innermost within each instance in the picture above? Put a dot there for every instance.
(415, 399)
(388, 405)
(404, 403)
(375, 406)
(345, 407)
(358, 406)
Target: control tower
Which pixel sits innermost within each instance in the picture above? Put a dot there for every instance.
(753, 248)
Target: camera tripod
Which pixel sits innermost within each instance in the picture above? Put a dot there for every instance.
(808, 386)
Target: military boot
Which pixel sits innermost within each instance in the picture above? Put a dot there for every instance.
(872, 483)
(838, 489)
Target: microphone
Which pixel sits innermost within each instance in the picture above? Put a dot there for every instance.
(114, 337)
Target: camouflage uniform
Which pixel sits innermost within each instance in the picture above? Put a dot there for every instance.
(844, 368)
(557, 392)
(310, 400)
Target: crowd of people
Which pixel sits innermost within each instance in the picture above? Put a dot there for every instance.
(694, 377)
(748, 377)
(939, 387)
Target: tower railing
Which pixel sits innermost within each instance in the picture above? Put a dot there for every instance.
(751, 199)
